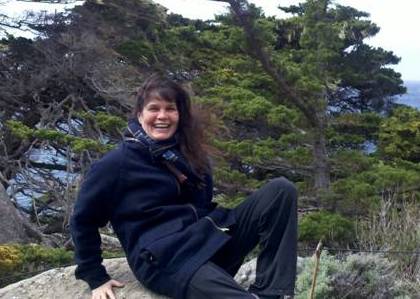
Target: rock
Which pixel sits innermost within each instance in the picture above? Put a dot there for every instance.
(15, 228)
(110, 243)
(60, 283)
(246, 274)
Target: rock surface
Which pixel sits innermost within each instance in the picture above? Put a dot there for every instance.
(60, 283)
(110, 243)
(14, 227)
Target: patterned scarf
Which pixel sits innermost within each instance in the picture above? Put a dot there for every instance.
(166, 151)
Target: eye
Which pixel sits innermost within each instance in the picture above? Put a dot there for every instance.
(153, 108)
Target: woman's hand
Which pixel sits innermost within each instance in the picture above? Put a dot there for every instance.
(105, 291)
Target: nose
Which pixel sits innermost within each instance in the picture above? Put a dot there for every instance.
(162, 114)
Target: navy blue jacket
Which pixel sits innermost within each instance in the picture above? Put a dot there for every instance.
(167, 231)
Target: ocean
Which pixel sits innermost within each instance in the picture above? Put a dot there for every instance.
(412, 97)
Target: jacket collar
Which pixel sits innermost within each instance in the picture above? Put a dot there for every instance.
(165, 151)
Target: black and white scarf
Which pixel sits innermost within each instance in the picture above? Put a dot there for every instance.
(164, 151)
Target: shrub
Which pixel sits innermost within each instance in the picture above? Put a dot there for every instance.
(364, 276)
(18, 262)
(354, 276)
(394, 226)
(37, 257)
(323, 286)
(361, 192)
(10, 258)
(331, 227)
(399, 135)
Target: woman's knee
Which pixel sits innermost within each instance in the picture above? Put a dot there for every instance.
(279, 202)
(281, 184)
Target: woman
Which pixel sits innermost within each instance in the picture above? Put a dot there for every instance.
(156, 190)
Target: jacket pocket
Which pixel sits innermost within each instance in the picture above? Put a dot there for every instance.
(157, 247)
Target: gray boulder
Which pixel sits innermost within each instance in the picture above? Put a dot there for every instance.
(60, 283)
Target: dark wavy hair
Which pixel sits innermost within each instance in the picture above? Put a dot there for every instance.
(190, 131)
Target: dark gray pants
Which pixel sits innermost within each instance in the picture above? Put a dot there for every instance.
(267, 217)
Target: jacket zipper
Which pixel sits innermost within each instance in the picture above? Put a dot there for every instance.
(178, 187)
(223, 229)
(194, 210)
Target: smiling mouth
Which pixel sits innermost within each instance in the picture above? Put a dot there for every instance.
(161, 126)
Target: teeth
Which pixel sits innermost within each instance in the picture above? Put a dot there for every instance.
(161, 126)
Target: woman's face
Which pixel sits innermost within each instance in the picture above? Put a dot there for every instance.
(159, 118)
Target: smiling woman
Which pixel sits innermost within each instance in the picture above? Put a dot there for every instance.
(156, 189)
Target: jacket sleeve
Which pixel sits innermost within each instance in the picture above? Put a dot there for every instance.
(92, 210)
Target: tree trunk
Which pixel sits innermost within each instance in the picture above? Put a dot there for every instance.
(321, 168)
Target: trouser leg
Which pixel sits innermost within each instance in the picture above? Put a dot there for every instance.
(268, 217)
(212, 282)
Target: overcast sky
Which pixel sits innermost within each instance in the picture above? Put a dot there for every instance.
(399, 21)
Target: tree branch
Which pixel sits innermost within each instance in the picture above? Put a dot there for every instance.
(50, 166)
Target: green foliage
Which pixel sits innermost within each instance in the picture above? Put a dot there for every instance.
(355, 276)
(322, 47)
(265, 151)
(293, 139)
(229, 201)
(36, 256)
(138, 51)
(327, 226)
(84, 144)
(349, 162)
(250, 151)
(231, 93)
(352, 130)
(18, 129)
(353, 195)
(328, 265)
(282, 116)
(361, 123)
(361, 191)
(233, 177)
(21, 261)
(375, 277)
(17, 261)
(105, 121)
(224, 38)
(248, 110)
(175, 52)
(298, 156)
(109, 122)
(9, 258)
(304, 187)
(78, 144)
(399, 135)
(346, 140)
(228, 72)
(310, 51)
(386, 177)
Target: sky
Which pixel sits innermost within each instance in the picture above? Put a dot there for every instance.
(399, 21)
